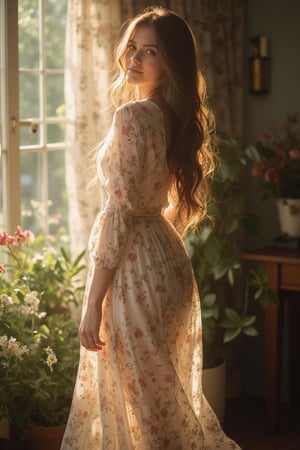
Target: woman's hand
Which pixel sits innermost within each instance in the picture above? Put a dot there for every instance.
(89, 329)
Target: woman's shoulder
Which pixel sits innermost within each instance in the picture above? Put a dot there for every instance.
(137, 109)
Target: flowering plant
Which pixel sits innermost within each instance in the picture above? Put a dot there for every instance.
(39, 345)
(276, 158)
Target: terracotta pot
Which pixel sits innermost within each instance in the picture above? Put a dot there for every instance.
(289, 216)
(45, 438)
(214, 389)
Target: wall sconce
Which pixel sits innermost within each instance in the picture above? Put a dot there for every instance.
(259, 66)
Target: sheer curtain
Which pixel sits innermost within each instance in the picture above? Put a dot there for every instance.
(93, 27)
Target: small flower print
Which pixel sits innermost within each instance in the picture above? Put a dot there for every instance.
(132, 256)
(138, 333)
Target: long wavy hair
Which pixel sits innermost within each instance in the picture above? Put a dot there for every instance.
(190, 157)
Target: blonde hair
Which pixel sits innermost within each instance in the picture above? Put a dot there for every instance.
(191, 158)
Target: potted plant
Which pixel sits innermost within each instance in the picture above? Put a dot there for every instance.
(216, 255)
(39, 344)
(276, 166)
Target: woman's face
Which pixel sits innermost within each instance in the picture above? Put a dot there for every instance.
(143, 61)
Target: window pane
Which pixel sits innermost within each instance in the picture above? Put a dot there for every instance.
(2, 100)
(1, 197)
(29, 95)
(31, 182)
(55, 93)
(29, 138)
(55, 27)
(56, 133)
(28, 34)
(57, 191)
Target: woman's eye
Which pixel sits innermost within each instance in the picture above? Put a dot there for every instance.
(130, 47)
(151, 52)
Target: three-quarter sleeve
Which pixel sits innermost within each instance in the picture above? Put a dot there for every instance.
(122, 165)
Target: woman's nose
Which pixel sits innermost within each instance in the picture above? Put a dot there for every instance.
(137, 56)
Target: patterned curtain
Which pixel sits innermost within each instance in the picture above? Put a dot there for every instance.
(92, 30)
(93, 26)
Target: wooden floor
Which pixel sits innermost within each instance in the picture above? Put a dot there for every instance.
(246, 423)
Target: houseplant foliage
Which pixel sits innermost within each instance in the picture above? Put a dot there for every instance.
(39, 345)
(276, 158)
(216, 255)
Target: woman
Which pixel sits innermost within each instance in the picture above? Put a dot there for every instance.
(139, 379)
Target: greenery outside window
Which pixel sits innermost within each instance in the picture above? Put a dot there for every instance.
(41, 154)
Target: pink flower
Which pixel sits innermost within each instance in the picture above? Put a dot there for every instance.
(154, 429)
(131, 180)
(3, 238)
(118, 193)
(23, 235)
(164, 412)
(19, 236)
(11, 240)
(294, 153)
(271, 176)
(138, 333)
(2, 268)
(257, 170)
(142, 382)
(263, 136)
(126, 129)
(169, 378)
(132, 256)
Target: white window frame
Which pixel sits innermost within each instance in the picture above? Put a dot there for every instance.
(9, 108)
(10, 151)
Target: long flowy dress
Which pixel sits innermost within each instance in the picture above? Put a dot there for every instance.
(143, 391)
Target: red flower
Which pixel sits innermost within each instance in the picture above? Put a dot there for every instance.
(132, 256)
(154, 429)
(271, 176)
(118, 193)
(126, 129)
(169, 378)
(138, 333)
(294, 153)
(257, 170)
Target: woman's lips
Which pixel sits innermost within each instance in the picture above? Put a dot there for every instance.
(134, 70)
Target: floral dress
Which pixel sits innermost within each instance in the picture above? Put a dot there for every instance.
(143, 391)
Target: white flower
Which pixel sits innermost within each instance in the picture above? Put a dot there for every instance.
(31, 305)
(32, 300)
(20, 350)
(3, 341)
(5, 300)
(51, 358)
(25, 310)
(12, 347)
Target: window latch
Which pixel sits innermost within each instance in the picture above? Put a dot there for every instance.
(33, 126)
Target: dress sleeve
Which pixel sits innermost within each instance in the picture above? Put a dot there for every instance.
(123, 166)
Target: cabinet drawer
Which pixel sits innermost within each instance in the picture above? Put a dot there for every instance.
(290, 274)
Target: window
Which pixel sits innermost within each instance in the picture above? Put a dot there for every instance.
(40, 120)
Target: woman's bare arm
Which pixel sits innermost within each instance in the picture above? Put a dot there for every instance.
(90, 324)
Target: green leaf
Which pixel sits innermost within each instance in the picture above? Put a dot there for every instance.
(231, 334)
(65, 255)
(253, 154)
(227, 323)
(232, 315)
(209, 299)
(248, 320)
(250, 331)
